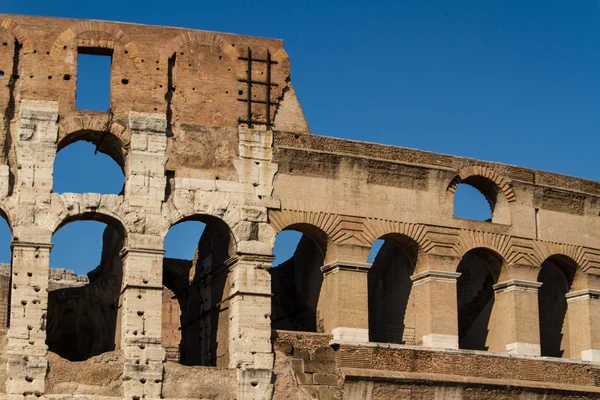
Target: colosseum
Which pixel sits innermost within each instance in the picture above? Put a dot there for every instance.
(207, 127)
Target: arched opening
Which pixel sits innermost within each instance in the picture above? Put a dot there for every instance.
(84, 286)
(470, 203)
(195, 305)
(479, 198)
(5, 272)
(297, 279)
(89, 162)
(391, 308)
(479, 269)
(556, 277)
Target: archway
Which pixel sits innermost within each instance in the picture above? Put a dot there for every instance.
(479, 198)
(82, 164)
(556, 276)
(479, 269)
(195, 305)
(82, 302)
(391, 309)
(297, 279)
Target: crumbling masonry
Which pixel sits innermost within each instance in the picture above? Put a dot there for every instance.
(206, 126)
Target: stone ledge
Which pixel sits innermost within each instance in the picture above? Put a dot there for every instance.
(379, 375)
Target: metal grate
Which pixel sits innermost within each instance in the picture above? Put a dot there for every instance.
(265, 85)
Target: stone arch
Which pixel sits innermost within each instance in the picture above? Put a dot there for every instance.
(104, 216)
(496, 189)
(203, 37)
(19, 33)
(95, 26)
(110, 137)
(208, 219)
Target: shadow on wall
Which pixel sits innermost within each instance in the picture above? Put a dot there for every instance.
(82, 320)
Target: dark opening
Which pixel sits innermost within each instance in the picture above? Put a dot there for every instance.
(479, 269)
(195, 308)
(556, 277)
(84, 286)
(93, 79)
(296, 281)
(391, 318)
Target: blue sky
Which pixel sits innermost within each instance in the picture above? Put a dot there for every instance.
(509, 81)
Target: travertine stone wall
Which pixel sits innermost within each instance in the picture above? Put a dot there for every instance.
(193, 147)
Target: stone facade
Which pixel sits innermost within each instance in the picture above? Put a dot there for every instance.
(206, 126)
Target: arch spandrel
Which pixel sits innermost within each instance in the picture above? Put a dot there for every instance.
(19, 33)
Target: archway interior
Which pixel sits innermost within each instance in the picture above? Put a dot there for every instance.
(80, 168)
(84, 287)
(470, 203)
(556, 277)
(297, 280)
(479, 269)
(195, 305)
(391, 305)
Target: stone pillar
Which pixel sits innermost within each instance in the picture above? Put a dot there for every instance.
(515, 318)
(583, 315)
(345, 301)
(26, 348)
(250, 349)
(139, 324)
(146, 182)
(436, 316)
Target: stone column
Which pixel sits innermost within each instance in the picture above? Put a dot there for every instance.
(583, 317)
(250, 349)
(139, 325)
(26, 348)
(436, 316)
(345, 300)
(515, 318)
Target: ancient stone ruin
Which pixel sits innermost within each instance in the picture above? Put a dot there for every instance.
(206, 126)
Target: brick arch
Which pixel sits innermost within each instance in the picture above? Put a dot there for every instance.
(19, 33)
(473, 239)
(503, 184)
(95, 26)
(83, 207)
(543, 250)
(203, 37)
(375, 229)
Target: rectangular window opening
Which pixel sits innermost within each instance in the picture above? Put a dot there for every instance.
(93, 79)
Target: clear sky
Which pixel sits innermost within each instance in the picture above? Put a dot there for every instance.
(511, 81)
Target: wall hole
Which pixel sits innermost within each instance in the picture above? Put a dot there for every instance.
(470, 203)
(93, 80)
